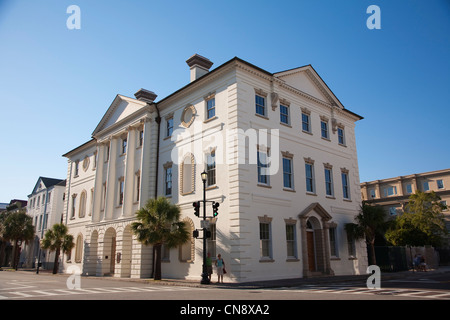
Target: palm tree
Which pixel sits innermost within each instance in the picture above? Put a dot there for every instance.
(159, 223)
(57, 239)
(18, 227)
(369, 222)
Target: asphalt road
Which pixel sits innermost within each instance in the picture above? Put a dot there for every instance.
(22, 285)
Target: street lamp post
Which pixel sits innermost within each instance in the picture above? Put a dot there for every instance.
(205, 278)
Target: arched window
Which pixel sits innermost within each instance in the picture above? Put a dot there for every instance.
(187, 174)
(82, 211)
(79, 249)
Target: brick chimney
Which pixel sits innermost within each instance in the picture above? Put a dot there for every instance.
(199, 66)
(145, 95)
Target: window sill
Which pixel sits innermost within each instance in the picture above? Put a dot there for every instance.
(330, 197)
(212, 187)
(292, 260)
(347, 200)
(307, 132)
(261, 116)
(263, 260)
(286, 124)
(289, 189)
(311, 193)
(264, 185)
(210, 119)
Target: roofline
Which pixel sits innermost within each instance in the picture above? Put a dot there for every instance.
(79, 147)
(261, 70)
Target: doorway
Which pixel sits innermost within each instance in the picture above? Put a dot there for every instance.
(311, 248)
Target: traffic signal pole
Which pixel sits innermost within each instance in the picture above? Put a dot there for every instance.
(205, 278)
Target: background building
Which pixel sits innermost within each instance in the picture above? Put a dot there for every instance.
(393, 193)
(45, 206)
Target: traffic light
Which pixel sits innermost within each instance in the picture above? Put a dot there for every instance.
(196, 206)
(195, 234)
(215, 205)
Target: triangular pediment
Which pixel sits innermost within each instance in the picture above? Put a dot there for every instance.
(121, 108)
(307, 80)
(316, 207)
(44, 183)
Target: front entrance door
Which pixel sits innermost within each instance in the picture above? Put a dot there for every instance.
(311, 250)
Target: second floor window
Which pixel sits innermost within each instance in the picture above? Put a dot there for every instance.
(345, 186)
(168, 181)
(309, 168)
(211, 168)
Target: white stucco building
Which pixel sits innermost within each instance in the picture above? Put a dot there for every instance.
(45, 206)
(280, 153)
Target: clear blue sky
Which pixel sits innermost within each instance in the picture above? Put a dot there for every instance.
(56, 83)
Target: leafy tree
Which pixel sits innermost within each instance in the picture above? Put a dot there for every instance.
(57, 239)
(17, 226)
(370, 222)
(159, 223)
(421, 224)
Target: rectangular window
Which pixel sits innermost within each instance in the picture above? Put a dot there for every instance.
(211, 108)
(287, 173)
(333, 243)
(440, 184)
(284, 114)
(328, 182)
(341, 137)
(124, 145)
(77, 168)
(104, 196)
(138, 186)
(390, 191)
(372, 193)
(305, 122)
(409, 188)
(309, 168)
(290, 241)
(141, 138)
(168, 181)
(264, 237)
(262, 168)
(351, 246)
(74, 201)
(426, 186)
(211, 168)
(260, 103)
(324, 129)
(345, 186)
(169, 127)
(107, 149)
(121, 186)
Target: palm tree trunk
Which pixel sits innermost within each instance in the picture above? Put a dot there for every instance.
(158, 262)
(55, 264)
(372, 253)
